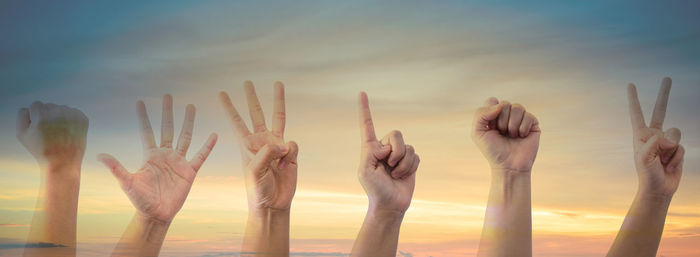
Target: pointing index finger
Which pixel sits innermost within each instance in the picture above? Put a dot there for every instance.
(366, 124)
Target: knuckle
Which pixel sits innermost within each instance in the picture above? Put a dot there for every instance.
(410, 149)
(517, 107)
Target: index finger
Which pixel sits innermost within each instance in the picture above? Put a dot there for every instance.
(636, 115)
(366, 124)
(657, 119)
(238, 123)
(149, 141)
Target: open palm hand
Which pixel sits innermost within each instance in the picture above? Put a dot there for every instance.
(159, 188)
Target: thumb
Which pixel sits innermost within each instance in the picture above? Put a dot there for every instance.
(119, 172)
(382, 153)
(263, 157)
(486, 114)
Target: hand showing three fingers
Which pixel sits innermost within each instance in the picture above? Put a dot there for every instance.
(270, 164)
(159, 188)
(387, 167)
(507, 135)
(658, 155)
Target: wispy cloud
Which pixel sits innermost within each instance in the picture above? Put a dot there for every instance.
(12, 225)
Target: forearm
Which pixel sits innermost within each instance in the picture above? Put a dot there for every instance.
(508, 224)
(143, 237)
(379, 235)
(57, 206)
(641, 231)
(266, 233)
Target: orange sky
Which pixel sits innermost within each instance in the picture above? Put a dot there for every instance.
(425, 68)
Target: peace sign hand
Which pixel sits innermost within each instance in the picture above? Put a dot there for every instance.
(388, 167)
(658, 155)
(159, 188)
(270, 163)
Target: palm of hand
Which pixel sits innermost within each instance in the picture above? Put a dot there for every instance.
(276, 185)
(516, 154)
(382, 189)
(160, 187)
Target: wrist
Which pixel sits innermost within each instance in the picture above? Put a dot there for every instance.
(267, 212)
(151, 221)
(376, 212)
(154, 230)
(65, 168)
(500, 172)
(652, 197)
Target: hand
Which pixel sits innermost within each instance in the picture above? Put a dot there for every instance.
(507, 135)
(658, 155)
(159, 188)
(54, 134)
(270, 164)
(387, 168)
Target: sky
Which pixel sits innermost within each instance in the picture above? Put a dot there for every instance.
(426, 67)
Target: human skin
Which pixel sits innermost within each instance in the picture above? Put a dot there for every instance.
(270, 172)
(160, 187)
(658, 158)
(387, 173)
(508, 136)
(56, 136)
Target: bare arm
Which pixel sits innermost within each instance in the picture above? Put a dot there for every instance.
(143, 237)
(508, 136)
(379, 235)
(56, 136)
(387, 172)
(659, 163)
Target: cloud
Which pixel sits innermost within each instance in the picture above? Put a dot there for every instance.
(12, 225)
(299, 254)
(30, 245)
(405, 254)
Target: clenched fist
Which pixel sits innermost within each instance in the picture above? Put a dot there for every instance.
(507, 135)
(54, 134)
(388, 167)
